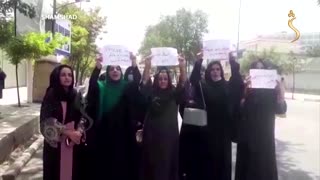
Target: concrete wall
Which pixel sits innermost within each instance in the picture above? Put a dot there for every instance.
(305, 82)
(10, 70)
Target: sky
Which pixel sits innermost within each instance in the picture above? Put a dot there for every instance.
(128, 19)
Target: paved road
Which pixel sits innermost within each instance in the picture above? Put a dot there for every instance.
(298, 150)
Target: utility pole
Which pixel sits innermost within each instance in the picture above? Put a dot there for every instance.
(53, 20)
(239, 17)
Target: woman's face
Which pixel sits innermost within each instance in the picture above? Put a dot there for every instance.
(115, 73)
(163, 80)
(259, 65)
(215, 72)
(66, 77)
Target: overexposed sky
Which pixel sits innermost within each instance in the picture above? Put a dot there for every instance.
(127, 19)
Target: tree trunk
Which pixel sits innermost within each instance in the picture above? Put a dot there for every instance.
(17, 80)
(77, 72)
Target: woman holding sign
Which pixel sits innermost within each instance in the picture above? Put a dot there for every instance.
(161, 133)
(209, 157)
(256, 154)
(111, 142)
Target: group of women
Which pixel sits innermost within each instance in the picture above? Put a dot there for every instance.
(135, 133)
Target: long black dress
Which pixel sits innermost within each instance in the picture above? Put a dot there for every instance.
(51, 108)
(161, 134)
(256, 155)
(111, 141)
(214, 141)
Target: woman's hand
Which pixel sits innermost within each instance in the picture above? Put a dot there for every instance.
(200, 55)
(75, 136)
(139, 136)
(147, 61)
(133, 59)
(99, 60)
(182, 61)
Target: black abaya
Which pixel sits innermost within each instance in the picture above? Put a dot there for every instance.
(256, 154)
(160, 145)
(51, 108)
(211, 145)
(111, 142)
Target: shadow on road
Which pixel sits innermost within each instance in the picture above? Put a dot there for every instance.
(288, 169)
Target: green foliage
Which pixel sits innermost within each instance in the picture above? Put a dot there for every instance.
(6, 31)
(32, 46)
(24, 8)
(284, 63)
(183, 31)
(85, 30)
(313, 51)
(38, 45)
(16, 50)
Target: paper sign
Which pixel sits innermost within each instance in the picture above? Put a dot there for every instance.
(164, 56)
(216, 49)
(115, 55)
(266, 79)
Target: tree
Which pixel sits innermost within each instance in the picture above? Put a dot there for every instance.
(281, 61)
(30, 47)
(183, 31)
(6, 31)
(313, 51)
(8, 6)
(85, 30)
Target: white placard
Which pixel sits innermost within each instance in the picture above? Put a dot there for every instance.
(115, 55)
(164, 56)
(261, 78)
(216, 49)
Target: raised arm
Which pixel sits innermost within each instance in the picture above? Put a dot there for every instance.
(93, 91)
(196, 72)
(180, 91)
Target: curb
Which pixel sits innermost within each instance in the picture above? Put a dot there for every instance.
(17, 166)
(304, 99)
(16, 131)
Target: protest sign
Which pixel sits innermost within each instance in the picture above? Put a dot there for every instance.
(216, 49)
(115, 55)
(263, 79)
(164, 56)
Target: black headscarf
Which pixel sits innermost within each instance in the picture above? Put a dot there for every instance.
(255, 63)
(56, 86)
(208, 71)
(156, 80)
(130, 71)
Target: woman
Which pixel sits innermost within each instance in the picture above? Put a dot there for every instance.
(61, 153)
(256, 155)
(207, 149)
(161, 133)
(111, 142)
(2, 80)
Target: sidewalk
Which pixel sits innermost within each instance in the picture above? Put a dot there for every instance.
(10, 96)
(303, 97)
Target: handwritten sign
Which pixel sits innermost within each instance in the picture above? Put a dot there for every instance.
(263, 79)
(216, 49)
(164, 56)
(115, 55)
